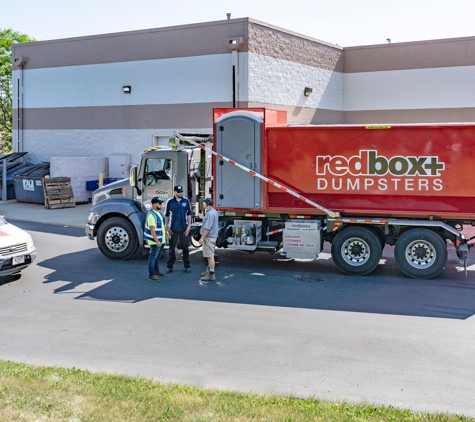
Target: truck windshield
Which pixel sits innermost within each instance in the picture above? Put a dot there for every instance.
(157, 169)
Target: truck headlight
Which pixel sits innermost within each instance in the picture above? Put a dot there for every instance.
(93, 217)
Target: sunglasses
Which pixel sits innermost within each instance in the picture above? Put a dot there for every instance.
(179, 191)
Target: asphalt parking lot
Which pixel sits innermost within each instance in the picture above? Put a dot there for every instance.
(267, 325)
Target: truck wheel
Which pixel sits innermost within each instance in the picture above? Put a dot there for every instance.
(117, 238)
(356, 250)
(379, 233)
(420, 253)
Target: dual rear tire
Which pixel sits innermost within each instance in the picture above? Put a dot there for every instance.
(419, 253)
(356, 250)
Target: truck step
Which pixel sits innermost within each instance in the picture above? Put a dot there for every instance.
(267, 246)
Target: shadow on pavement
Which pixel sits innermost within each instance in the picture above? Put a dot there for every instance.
(9, 278)
(49, 228)
(266, 280)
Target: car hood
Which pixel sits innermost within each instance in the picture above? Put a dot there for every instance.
(13, 235)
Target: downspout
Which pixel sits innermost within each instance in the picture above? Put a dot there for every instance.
(18, 63)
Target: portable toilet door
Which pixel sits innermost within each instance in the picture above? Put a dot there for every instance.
(239, 138)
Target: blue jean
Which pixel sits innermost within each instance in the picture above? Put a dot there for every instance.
(153, 258)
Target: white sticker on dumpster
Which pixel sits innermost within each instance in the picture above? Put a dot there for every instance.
(28, 185)
(296, 241)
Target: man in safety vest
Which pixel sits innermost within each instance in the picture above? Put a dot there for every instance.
(154, 234)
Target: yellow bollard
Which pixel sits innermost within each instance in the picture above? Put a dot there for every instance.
(101, 180)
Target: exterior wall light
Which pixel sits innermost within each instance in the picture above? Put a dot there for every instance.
(235, 43)
(127, 89)
(307, 91)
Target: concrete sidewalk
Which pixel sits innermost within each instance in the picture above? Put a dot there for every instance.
(37, 213)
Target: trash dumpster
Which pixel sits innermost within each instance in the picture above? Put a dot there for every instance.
(29, 183)
(11, 168)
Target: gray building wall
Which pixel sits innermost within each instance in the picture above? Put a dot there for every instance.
(69, 101)
(427, 81)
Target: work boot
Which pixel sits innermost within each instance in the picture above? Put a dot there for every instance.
(209, 277)
(206, 272)
(154, 278)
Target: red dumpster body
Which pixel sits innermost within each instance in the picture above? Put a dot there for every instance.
(420, 171)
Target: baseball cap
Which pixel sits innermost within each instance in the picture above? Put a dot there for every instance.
(178, 188)
(208, 201)
(156, 199)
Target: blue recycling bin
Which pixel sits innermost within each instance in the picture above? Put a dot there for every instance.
(92, 185)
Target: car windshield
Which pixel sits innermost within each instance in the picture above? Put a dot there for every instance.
(2, 221)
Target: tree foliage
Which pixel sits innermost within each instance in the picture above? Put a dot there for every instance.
(7, 38)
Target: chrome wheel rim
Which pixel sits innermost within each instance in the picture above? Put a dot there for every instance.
(355, 251)
(117, 239)
(420, 254)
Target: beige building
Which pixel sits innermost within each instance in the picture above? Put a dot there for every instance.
(123, 92)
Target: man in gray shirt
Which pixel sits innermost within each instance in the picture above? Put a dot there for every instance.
(209, 233)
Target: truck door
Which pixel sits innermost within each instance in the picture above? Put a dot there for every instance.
(239, 137)
(157, 178)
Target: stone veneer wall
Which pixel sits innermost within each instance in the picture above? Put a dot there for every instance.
(271, 42)
(281, 64)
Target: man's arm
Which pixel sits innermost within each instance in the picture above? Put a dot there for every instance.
(167, 219)
(188, 217)
(205, 233)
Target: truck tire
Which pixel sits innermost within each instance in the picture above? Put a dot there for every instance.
(356, 250)
(117, 238)
(420, 253)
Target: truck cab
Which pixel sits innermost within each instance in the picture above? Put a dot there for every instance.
(119, 209)
(161, 169)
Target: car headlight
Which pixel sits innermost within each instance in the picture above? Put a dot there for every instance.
(29, 242)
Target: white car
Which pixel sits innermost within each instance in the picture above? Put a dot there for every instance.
(17, 249)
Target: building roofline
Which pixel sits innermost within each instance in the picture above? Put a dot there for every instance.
(244, 20)
(436, 41)
(185, 26)
(295, 34)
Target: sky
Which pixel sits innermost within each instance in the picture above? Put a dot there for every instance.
(343, 22)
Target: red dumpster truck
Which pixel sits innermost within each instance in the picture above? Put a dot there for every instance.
(288, 189)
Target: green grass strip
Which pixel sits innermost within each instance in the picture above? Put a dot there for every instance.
(33, 393)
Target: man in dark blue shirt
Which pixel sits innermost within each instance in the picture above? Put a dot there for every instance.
(178, 225)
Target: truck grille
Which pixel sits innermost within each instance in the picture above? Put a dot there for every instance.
(9, 250)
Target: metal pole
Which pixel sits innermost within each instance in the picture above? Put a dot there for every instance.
(4, 181)
(331, 214)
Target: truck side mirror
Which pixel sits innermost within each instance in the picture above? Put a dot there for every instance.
(133, 176)
(133, 179)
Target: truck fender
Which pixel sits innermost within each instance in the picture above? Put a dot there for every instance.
(120, 207)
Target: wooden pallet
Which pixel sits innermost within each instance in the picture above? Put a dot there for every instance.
(58, 193)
